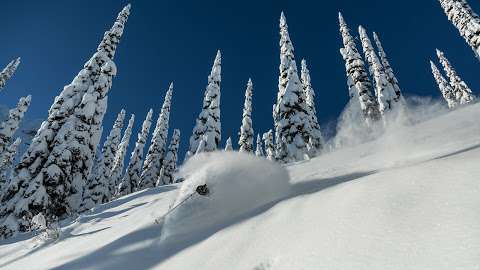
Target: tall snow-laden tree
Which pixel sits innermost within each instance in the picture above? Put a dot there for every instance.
(131, 179)
(392, 79)
(287, 60)
(117, 170)
(228, 145)
(167, 173)
(6, 162)
(97, 189)
(156, 151)
(269, 146)
(10, 126)
(465, 20)
(51, 174)
(359, 83)
(383, 88)
(444, 86)
(246, 130)
(461, 90)
(294, 124)
(208, 121)
(259, 150)
(8, 71)
(315, 143)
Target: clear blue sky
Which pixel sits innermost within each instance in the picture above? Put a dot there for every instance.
(176, 41)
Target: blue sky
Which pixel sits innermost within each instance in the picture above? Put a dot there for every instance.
(176, 41)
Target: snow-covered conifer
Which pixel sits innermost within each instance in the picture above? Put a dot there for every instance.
(118, 163)
(465, 20)
(10, 126)
(228, 145)
(269, 146)
(392, 79)
(8, 71)
(6, 162)
(259, 150)
(170, 161)
(359, 83)
(246, 130)
(208, 121)
(383, 88)
(97, 189)
(461, 90)
(51, 175)
(444, 86)
(202, 145)
(315, 143)
(292, 129)
(131, 179)
(156, 151)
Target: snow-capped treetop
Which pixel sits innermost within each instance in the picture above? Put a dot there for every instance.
(445, 88)
(119, 160)
(8, 71)
(169, 163)
(246, 130)
(10, 126)
(112, 37)
(269, 146)
(388, 68)
(228, 144)
(259, 150)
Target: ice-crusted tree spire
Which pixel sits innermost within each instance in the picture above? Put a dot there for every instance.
(156, 151)
(315, 144)
(202, 145)
(294, 124)
(131, 179)
(97, 189)
(259, 150)
(465, 20)
(383, 88)
(169, 163)
(118, 163)
(359, 83)
(246, 130)
(461, 90)
(444, 86)
(8, 71)
(208, 121)
(269, 146)
(50, 176)
(10, 126)
(392, 79)
(228, 145)
(6, 163)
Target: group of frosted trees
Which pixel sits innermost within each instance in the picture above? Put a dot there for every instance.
(64, 172)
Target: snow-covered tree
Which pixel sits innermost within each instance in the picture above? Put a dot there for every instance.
(8, 71)
(10, 126)
(245, 142)
(6, 162)
(383, 89)
(315, 143)
(359, 83)
(131, 179)
(202, 145)
(228, 145)
(97, 189)
(51, 174)
(287, 61)
(208, 121)
(119, 160)
(294, 124)
(170, 161)
(269, 146)
(465, 20)
(444, 86)
(392, 79)
(259, 150)
(156, 151)
(461, 90)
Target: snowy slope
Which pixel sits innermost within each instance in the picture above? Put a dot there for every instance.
(409, 200)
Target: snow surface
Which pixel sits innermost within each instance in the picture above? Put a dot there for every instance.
(408, 200)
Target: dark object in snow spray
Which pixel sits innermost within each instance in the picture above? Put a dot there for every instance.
(203, 190)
